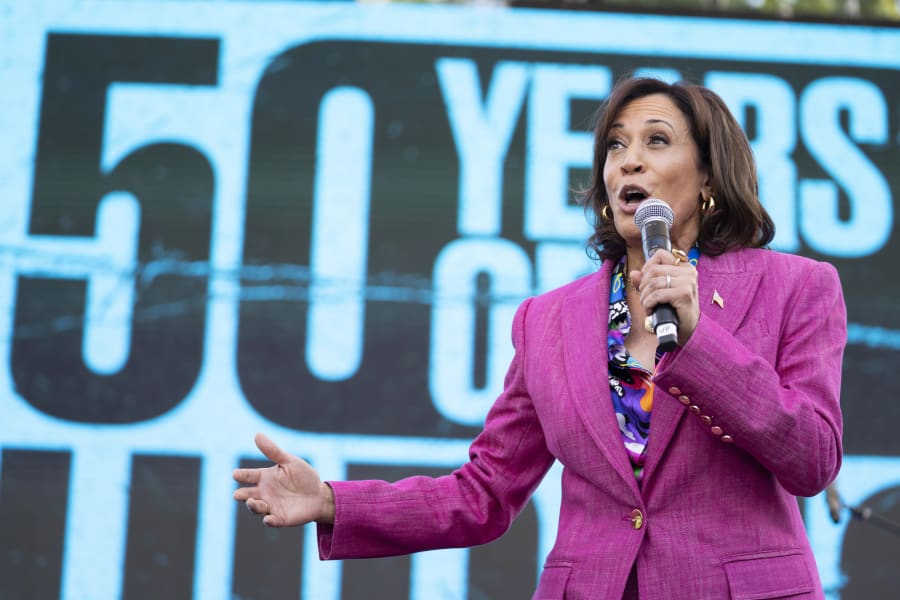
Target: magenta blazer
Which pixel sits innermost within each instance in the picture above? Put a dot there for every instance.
(745, 416)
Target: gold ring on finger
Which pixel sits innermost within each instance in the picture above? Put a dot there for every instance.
(680, 256)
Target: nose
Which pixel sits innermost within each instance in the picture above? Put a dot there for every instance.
(632, 161)
(632, 166)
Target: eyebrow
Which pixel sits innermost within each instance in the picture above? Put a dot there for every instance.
(663, 121)
(647, 122)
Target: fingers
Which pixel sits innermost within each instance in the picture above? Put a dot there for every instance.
(669, 278)
(271, 450)
(288, 479)
(257, 506)
(664, 257)
(652, 268)
(635, 277)
(245, 493)
(667, 288)
(246, 475)
(662, 281)
(272, 521)
(260, 507)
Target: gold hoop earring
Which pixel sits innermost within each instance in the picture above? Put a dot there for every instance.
(708, 205)
(604, 213)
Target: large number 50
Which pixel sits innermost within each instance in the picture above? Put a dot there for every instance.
(164, 190)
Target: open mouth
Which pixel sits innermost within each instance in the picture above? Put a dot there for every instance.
(633, 194)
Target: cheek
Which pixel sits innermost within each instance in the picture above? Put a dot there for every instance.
(688, 179)
(609, 182)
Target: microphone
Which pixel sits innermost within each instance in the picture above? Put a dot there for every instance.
(654, 218)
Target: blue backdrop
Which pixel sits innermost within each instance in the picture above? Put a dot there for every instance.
(316, 220)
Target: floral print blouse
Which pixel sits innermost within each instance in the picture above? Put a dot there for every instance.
(630, 383)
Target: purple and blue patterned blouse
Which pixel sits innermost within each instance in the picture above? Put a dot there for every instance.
(630, 383)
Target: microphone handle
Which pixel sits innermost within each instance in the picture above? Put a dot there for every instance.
(655, 235)
(666, 326)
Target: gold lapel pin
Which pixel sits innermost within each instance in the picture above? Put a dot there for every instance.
(717, 299)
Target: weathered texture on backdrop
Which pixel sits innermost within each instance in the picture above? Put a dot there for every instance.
(317, 221)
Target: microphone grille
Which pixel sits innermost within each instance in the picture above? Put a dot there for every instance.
(653, 209)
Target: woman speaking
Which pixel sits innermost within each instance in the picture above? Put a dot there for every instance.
(680, 466)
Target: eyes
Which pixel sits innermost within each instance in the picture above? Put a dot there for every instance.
(654, 139)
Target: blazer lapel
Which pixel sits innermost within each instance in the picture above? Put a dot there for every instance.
(728, 279)
(585, 322)
(725, 288)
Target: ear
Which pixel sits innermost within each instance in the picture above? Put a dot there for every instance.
(706, 189)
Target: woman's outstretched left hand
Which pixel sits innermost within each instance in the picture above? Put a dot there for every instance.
(289, 492)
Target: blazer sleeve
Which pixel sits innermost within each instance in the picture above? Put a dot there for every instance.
(782, 410)
(473, 505)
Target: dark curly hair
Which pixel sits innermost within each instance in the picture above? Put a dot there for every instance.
(739, 220)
